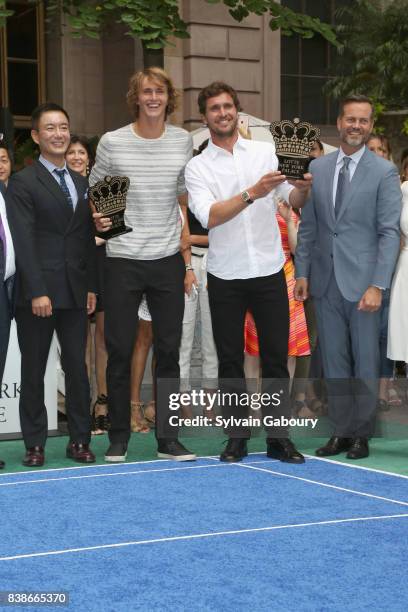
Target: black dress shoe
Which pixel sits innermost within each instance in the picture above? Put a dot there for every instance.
(175, 450)
(284, 450)
(358, 449)
(34, 457)
(235, 450)
(334, 446)
(81, 453)
(2, 464)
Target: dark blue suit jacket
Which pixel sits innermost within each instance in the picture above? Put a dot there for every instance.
(55, 248)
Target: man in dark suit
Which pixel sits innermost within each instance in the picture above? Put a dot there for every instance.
(348, 243)
(54, 241)
(7, 270)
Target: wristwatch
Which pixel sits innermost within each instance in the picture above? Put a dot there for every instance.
(246, 198)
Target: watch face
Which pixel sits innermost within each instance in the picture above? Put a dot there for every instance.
(246, 197)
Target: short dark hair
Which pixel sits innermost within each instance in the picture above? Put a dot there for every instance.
(215, 89)
(45, 108)
(84, 142)
(356, 99)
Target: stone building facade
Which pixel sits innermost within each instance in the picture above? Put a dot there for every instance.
(90, 77)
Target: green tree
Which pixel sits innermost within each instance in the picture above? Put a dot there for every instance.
(374, 53)
(154, 22)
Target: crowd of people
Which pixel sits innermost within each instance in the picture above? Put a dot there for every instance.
(291, 278)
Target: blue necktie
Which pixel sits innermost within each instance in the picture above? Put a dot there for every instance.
(342, 185)
(64, 186)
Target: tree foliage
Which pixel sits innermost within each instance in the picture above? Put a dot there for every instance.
(374, 54)
(155, 21)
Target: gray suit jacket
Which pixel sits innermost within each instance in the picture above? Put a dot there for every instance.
(362, 244)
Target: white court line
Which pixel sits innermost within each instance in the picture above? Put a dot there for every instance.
(169, 469)
(358, 467)
(175, 468)
(106, 465)
(196, 536)
(87, 467)
(321, 484)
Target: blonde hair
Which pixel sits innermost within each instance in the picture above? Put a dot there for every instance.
(245, 133)
(155, 74)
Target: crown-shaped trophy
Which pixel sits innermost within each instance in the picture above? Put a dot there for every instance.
(109, 198)
(294, 141)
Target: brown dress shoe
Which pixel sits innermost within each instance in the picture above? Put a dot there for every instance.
(34, 457)
(80, 453)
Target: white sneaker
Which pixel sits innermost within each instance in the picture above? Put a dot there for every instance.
(116, 452)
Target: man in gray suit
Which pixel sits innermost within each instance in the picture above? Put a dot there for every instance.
(348, 244)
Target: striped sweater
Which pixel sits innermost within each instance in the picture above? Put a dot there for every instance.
(155, 168)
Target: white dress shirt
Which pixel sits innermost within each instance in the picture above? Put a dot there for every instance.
(249, 245)
(10, 267)
(355, 158)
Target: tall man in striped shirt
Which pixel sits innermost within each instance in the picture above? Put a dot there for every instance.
(153, 155)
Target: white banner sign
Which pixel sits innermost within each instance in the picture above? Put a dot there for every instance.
(10, 389)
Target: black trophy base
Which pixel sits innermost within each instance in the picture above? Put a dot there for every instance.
(113, 233)
(293, 167)
(118, 226)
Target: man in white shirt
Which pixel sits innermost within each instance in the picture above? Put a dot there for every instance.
(347, 247)
(7, 271)
(231, 187)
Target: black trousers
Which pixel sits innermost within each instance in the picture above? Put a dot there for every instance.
(267, 298)
(125, 281)
(34, 337)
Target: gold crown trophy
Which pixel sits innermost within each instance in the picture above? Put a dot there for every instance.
(109, 199)
(293, 142)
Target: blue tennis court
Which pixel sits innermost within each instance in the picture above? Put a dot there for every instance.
(259, 535)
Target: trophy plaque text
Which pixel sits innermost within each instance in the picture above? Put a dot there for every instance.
(294, 141)
(109, 198)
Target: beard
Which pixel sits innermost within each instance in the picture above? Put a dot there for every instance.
(225, 133)
(353, 140)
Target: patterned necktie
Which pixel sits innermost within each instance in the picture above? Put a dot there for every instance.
(64, 186)
(342, 185)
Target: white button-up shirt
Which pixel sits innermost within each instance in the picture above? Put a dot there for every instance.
(10, 267)
(355, 158)
(249, 245)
